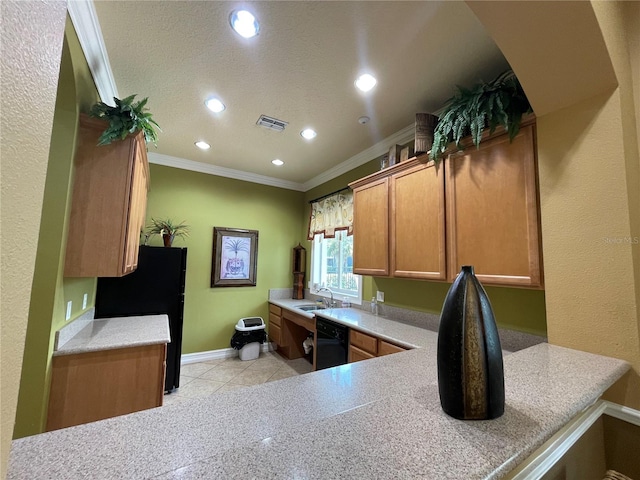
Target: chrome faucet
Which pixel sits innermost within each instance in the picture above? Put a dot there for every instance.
(331, 303)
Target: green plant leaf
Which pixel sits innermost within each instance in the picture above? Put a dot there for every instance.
(161, 226)
(486, 104)
(124, 118)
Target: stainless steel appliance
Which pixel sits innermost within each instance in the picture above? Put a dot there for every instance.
(332, 343)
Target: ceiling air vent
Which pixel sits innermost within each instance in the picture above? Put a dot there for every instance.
(271, 123)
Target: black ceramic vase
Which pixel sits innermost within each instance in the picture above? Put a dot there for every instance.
(470, 372)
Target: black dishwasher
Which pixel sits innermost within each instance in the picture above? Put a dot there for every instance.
(332, 344)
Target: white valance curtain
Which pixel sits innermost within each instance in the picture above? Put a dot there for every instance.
(331, 214)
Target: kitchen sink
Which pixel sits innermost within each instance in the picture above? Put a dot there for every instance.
(308, 308)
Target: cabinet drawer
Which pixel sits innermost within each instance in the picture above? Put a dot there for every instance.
(276, 310)
(386, 348)
(355, 354)
(274, 320)
(364, 342)
(275, 333)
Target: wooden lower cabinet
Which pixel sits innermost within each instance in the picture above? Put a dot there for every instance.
(87, 387)
(386, 348)
(288, 329)
(356, 354)
(363, 346)
(275, 333)
(275, 324)
(364, 342)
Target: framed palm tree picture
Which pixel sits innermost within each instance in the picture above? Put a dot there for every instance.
(235, 257)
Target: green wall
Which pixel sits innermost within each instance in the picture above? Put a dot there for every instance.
(514, 308)
(206, 201)
(203, 201)
(51, 292)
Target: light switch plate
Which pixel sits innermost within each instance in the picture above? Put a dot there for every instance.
(84, 301)
(380, 296)
(68, 315)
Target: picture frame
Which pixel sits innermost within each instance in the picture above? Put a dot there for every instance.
(235, 257)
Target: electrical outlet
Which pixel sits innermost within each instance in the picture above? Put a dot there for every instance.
(69, 304)
(84, 301)
(380, 296)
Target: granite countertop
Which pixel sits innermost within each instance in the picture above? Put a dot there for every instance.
(402, 334)
(379, 418)
(120, 332)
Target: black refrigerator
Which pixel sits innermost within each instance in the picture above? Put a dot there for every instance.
(155, 287)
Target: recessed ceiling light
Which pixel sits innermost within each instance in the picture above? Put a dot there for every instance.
(244, 23)
(308, 133)
(202, 145)
(366, 82)
(363, 120)
(277, 162)
(215, 105)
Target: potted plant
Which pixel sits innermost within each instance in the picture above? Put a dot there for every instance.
(168, 229)
(499, 102)
(125, 118)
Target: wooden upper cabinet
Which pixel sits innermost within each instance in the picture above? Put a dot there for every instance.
(371, 228)
(399, 222)
(492, 211)
(108, 205)
(417, 245)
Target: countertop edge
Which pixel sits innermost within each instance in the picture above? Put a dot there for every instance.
(290, 304)
(118, 333)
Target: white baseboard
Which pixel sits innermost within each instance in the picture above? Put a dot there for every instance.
(188, 358)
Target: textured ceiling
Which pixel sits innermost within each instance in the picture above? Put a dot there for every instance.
(300, 69)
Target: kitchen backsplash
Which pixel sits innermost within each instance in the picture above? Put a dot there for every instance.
(510, 340)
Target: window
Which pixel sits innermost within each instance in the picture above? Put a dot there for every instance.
(332, 267)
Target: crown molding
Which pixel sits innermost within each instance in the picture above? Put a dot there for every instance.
(184, 164)
(85, 21)
(403, 136)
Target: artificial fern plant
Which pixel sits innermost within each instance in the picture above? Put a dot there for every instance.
(499, 102)
(125, 118)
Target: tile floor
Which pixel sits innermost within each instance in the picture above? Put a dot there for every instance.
(216, 376)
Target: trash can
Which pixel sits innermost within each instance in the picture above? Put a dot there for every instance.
(250, 333)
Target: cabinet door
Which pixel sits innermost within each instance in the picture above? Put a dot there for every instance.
(137, 209)
(371, 228)
(275, 334)
(492, 211)
(92, 386)
(417, 223)
(107, 207)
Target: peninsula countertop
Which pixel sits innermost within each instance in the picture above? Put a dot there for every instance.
(379, 418)
(119, 332)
